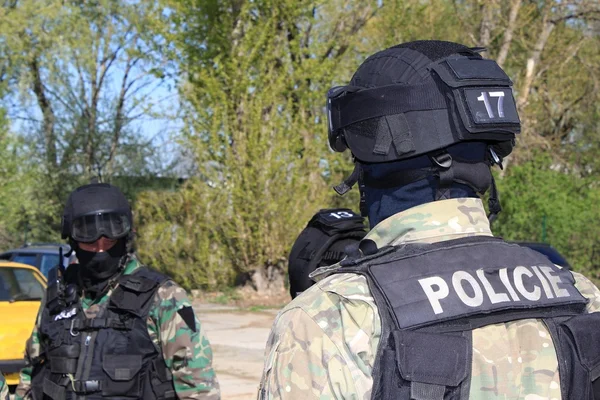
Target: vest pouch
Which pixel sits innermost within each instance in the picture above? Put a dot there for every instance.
(123, 371)
(161, 380)
(390, 387)
(63, 360)
(581, 334)
(435, 364)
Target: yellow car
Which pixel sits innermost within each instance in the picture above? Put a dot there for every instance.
(21, 291)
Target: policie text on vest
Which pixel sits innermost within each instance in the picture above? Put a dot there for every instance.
(541, 281)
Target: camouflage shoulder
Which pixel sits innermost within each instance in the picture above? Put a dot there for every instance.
(170, 290)
(324, 293)
(588, 290)
(169, 298)
(342, 306)
(185, 347)
(338, 310)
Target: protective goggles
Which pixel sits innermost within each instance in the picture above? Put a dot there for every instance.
(89, 228)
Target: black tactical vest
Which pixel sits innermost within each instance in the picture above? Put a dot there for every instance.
(108, 357)
(431, 297)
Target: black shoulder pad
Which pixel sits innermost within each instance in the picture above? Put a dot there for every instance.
(142, 280)
(151, 274)
(135, 292)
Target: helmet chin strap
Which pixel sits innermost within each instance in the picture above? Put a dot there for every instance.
(349, 182)
(475, 174)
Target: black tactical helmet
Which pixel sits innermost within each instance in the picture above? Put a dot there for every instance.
(419, 99)
(96, 210)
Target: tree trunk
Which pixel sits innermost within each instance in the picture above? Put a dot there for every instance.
(487, 20)
(508, 33)
(49, 118)
(267, 280)
(534, 58)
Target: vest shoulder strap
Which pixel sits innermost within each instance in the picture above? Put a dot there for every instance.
(135, 292)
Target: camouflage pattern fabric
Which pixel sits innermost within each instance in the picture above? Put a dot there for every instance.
(323, 344)
(188, 354)
(3, 388)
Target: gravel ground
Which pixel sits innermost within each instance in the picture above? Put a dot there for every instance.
(238, 341)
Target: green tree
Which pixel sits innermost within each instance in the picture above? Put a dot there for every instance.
(257, 77)
(82, 76)
(256, 73)
(541, 203)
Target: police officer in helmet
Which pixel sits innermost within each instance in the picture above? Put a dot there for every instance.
(433, 307)
(110, 327)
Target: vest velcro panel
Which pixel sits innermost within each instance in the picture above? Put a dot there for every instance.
(454, 280)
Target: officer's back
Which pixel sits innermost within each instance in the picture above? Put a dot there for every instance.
(435, 308)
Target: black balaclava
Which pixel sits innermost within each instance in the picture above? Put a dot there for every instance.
(382, 203)
(392, 66)
(97, 268)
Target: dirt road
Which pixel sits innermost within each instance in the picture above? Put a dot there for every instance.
(238, 341)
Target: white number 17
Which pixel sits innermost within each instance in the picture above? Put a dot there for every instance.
(485, 98)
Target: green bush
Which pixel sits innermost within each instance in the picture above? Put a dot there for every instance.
(542, 203)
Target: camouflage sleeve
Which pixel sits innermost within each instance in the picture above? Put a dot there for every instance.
(3, 389)
(176, 330)
(33, 350)
(302, 362)
(589, 290)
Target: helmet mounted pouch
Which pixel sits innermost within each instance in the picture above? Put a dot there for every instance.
(483, 97)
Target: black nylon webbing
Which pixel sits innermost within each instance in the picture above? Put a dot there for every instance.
(53, 390)
(426, 391)
(347, 184)
(397, 179)
(386, 100)
(100, 323)
(63, 365)
(395, 130)
(164, 374)
(446, 177)
(494, 202)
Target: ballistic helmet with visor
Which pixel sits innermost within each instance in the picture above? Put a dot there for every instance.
(96, 210)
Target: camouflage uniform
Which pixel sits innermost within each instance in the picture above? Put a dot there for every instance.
(323, 344)
(187, 353)
(3, 388)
